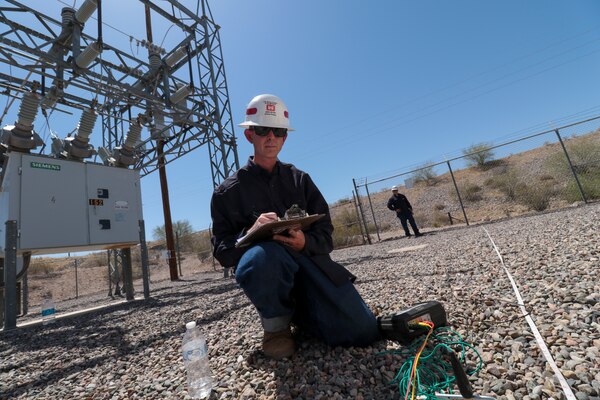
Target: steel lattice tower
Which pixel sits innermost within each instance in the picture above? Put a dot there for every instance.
(153, 110)
(179, 96)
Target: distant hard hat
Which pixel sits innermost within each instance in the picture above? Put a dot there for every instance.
(394, 188)
(267, 110)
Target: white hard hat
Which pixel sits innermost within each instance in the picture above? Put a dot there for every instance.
(267, 110)
(394, 188)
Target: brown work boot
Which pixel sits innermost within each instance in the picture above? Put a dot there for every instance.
(278, 345)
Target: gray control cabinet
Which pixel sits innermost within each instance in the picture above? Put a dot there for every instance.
(63, 205)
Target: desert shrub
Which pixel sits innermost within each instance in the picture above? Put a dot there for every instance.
(423, 219)
(546, 177)
(341, 202)
(471, 192)
(39, 266)
(479, 154)
(93, 260)
(589, 183)
(347, 229)
(201, 245)
(584, 153)
(440, 219)
(181, 229)
(493, 182)
(535, 197)
(425, 175)
(507, 183)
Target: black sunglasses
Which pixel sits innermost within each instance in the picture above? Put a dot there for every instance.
(264, 131)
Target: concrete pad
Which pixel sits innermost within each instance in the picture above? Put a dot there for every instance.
(78, 312)
(406, 249)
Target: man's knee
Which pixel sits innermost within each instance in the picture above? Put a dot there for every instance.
(263, 259)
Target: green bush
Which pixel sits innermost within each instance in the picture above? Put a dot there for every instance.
(440, 219)
(39, 266)
(535, 197)
(479, 154)
(347, 229)
(590, 185)
(425, 175)
(584, 153)
(471, 192)
(94, 260)
(342, 201)
(200, 243)
(507, 183)
(546, 177)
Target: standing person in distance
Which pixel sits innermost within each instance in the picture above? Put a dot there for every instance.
(400, 204)
(290, 278)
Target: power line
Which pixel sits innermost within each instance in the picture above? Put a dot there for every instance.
(470, 78)
(361, 135)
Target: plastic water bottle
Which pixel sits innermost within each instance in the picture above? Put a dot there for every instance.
(195, 359)
(48, 311)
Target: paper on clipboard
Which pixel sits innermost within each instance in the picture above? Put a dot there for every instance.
(267, 230)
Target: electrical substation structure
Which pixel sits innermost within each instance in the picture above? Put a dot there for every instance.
(57, 196)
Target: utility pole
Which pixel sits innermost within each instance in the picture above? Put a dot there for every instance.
(162, 172)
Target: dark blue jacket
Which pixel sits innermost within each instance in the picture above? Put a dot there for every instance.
(242, 197)
(399, 202)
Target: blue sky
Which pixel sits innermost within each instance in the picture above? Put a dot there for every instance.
(375, 88)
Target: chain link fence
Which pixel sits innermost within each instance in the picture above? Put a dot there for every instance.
(545, 171)
(549, 170)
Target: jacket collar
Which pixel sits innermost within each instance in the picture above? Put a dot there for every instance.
(258, 170)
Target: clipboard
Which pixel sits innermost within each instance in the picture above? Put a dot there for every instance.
(267, 230)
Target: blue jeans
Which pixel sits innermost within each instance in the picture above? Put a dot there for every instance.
(404, 217)
(285, 289)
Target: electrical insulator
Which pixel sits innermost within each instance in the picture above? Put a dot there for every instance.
(174, 58)
(67, 14)
(88, 55)
(133, 135)
(51, 97)
(86, 10)
(86, 124)
(181, 94)
(20, 136)
(159, 124)
(154, 61)
(28, 111)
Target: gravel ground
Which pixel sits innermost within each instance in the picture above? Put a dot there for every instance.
(133, 350)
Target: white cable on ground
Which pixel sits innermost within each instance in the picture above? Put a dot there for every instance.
(538, 337)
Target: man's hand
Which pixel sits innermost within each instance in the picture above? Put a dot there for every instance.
(264, 218)
(294, 239)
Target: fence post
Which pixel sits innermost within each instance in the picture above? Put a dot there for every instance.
(76, 280)
(127, 273)
(108, 254)
(10, 276)
(25, 283)
(226, 270)
(362, 214)
(450, 218)
(458, 193)
(178, 252)
(144, 255)
(571, 166)
(372, 211)
(362, 233)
